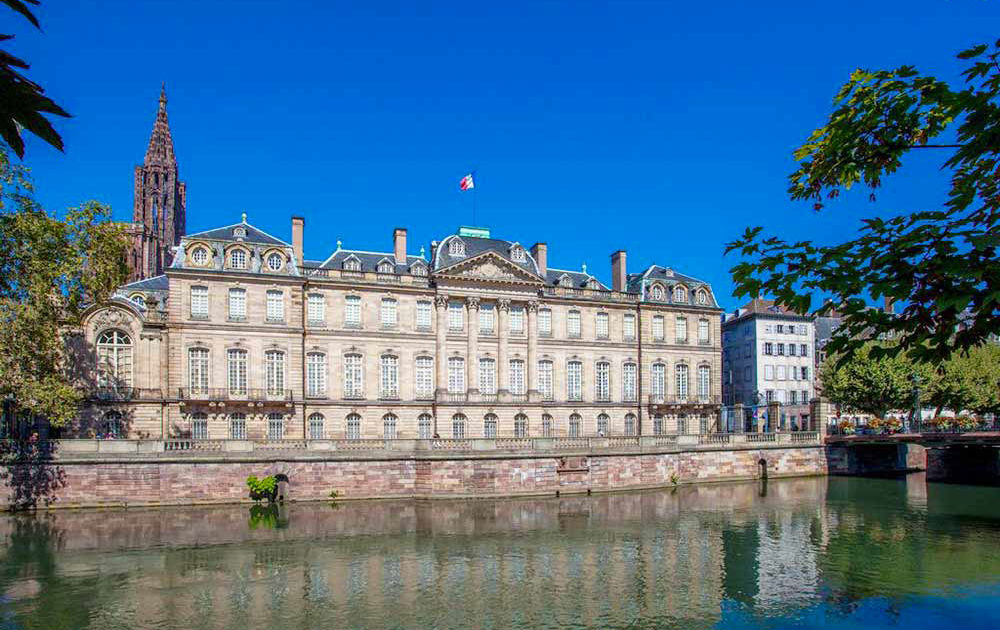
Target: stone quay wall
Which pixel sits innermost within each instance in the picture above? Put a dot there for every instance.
(207, 478)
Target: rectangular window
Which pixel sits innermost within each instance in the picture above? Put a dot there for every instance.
(487, 319)
(487, 376)
(681, 330)
(388, 314)
(658, 328)
(316, 374)
(781, 349)
(199, 428)
(237, 304)
(602, 325)
(704, 382)
(456, 375)
(516, 320)
(574, 380)
(791, 329)
(768, 372)
(275, 426)
(805, 395)
(237, 372)
(779, 328)
(544, 323)
(199, 302)
(793, 397)
(573, 324)
(390, 378)
(682, 382)
(456, 316)
(803, 350)
(424, 377)
(545, 379)
(805, 374)
(769, 395)
(275, 306)
(703, 331)
(658, 381)
(316, 309)
(628, 327)
(316, 431)
(781, 372)
(237, 427)
(517, 377)
(602, 381)
(629, 382)
(768, 348)
(198, 370)
(353, 377)
(352, 311)
(423, 315)
(274, 372)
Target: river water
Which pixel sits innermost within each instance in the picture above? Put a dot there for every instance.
(795, 553)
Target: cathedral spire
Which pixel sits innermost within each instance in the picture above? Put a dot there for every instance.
(161, 143)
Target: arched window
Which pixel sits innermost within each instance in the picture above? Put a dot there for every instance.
(521, 426)
(517, 254)
(316, 428)
(275, 426)
(114, 360)
(353, 377)
(702, 297)
(680, 294)
(389, 314)
(456, 247)
(681, 371)
(389, 373)
(274, 372)
(237, 426)
(458, 426)
(574, 380)
(199, 426)
(424, 378)
(198, 370)
(603, 424)
(389, 426)
(238, 259)
(139, 300)
(418, 270)
(629, 391)
(425, 426)
(545, 379)
(237, 367)
(200, 256)
(487, 376)
(630, 424)
(546, 425)
(275, 261)
(353, 427)
(574, 425)
(490, 426)
(315, 374)
(456, 375)
(113, 424)
(682, 424)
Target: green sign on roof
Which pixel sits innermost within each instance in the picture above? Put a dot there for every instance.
(475, 232)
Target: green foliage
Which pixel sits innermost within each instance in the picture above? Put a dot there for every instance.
(22, 101)
(267, 516)
(334, 495)
(872, 380)
(969, 382)
(50, 269)
(262, 488)
(936, 263)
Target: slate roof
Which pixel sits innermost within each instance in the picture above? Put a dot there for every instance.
(156, 283)
(475, 246)
(668, 276)
(369, 260)
(579, 278)
(254, 235)
(767, 308)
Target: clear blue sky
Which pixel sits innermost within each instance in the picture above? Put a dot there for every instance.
(660, 127)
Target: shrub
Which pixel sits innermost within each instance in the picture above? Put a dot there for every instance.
(263, 488)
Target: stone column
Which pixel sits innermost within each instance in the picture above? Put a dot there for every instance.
(441, 344)
(472, 359)
(531, 372)
(503, 368)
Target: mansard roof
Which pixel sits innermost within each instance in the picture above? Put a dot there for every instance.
(369, 260)
(228, 233)
(156, 283)
(475, 245)
(579, 279)
(666, 275)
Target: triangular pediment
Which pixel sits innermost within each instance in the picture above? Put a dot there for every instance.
(489, 267)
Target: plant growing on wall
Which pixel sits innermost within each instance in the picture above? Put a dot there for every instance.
(263, 488)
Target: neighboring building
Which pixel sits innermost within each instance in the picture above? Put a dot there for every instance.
(243, 338)
(158, 215)
(768, 357)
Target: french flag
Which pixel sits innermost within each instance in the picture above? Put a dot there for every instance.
(467, 183)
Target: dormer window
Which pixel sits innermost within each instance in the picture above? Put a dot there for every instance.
(702, 297)
(564, 281)
(592, 284)
(200, 256)
(240, 232)
(517, 254)
(386, 267)
(139, 300)
(680, 294)
(418, 270)
(352, 264)
(456, 247)
(238, 259)
(657, 293)
(275, 262)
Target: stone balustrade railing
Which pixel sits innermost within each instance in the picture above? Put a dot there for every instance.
(650, 443)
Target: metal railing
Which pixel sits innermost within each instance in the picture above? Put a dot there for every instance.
(117, 394)
(222, 393)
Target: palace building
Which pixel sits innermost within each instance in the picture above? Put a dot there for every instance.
(240, 337)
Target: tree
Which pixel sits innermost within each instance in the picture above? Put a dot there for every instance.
(22, 101)
(872, 382)
(969, 382)
(941, 265)
(50, 268)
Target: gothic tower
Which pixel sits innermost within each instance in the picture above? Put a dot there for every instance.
(158, 216)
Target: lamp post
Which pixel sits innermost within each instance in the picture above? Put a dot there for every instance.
(916, 402)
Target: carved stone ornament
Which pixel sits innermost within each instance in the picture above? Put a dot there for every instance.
(112, 318)
(532, 307)
(488, 270)
(473, 303)
(503, 304)
(441, 301)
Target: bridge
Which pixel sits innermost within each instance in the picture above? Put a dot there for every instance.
(959, 457)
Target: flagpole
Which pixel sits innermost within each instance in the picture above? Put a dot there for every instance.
(474, 188)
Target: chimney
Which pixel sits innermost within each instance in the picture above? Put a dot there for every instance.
(399, 245)
(298, 223)
(540, 252)
(889, 308)
(618, 270)
(434, 248)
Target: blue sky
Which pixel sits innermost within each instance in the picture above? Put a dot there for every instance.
(663, 128)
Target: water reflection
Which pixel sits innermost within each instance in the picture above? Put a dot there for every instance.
(804, 551)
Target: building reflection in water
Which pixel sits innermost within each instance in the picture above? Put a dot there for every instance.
(680, 557)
